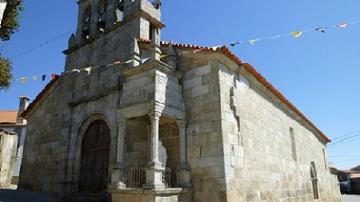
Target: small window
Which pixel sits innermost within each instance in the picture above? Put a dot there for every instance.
(314, 180)
(86, 23)
(293, 144)
(102, 15)
(151, 28)
(119, 10)
(324, 155)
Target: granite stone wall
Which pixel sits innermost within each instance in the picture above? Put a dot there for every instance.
(268, 150)
(205, 145)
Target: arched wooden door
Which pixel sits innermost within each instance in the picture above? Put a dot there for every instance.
(95, 158)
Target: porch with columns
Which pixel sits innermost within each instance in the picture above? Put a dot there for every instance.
(154, 179)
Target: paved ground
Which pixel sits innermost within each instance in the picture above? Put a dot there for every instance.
(7, 195)
(351, 198)
(23, 196)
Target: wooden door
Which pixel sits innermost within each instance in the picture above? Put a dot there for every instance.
(95, 158)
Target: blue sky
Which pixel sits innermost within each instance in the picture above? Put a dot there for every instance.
(318, 72)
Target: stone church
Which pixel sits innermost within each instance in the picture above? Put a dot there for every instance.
(133, 118)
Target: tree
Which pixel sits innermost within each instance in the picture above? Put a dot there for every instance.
(9, 24)
(10, 21)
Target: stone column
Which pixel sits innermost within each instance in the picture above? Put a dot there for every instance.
(155, 43)
(184, 169)
(118, 178)
(155, 170)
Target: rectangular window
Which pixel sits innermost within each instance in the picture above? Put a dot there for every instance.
(293, 144)
(325, 163)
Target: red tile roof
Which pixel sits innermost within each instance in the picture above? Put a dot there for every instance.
(224, 50)
(8, 117)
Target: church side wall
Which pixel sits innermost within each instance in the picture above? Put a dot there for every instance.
(263, 160)
(205, 150)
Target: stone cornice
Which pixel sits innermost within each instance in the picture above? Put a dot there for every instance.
(152, 64)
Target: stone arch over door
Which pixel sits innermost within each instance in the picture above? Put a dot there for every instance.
(95, 152)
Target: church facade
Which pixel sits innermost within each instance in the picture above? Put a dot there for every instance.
(137, 119)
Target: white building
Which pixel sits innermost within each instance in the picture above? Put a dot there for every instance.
(2, 9)
(10, 121)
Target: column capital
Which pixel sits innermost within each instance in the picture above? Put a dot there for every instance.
(155, 115)
(121, 121)
(181, 123)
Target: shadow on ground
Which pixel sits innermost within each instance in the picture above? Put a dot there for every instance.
(7, 195)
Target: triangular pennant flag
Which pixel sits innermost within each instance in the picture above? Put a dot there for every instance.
(43, 77)
(214, 48)
(23, 79)
(144, 60)
(321, 29)
(35, 78)
(235, 43)
(296, 34)
(252, 42)
(117, 62)
(343, 25)
(88, 70)
(53, 76)
(162, 56)
(76, 70)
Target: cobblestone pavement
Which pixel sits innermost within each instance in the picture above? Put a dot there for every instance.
(351, 198)
(7, 195)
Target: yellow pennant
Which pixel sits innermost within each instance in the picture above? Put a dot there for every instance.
(296, 34)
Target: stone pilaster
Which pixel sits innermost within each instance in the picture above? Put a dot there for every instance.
(155, 44)
(118, 175)
(184, 169)
(155, 170)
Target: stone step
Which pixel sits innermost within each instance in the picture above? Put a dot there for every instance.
(88, 197)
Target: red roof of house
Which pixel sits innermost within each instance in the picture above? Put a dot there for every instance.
(224, 50)
(8, 117)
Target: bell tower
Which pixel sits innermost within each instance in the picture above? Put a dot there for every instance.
(108, 30)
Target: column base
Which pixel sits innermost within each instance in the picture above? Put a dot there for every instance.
(118, 178)
(184, 176)
(154, 179)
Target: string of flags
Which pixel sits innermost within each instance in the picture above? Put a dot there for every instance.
(295, 34)
(87, 70)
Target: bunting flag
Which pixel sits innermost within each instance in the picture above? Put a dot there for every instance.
(35, 78)
(321, 29)
(235, 43)
(88, 70)
(23, 79)
(43, 77)
(296, 34)
(252, 42)
(343, 25)
(53, 76)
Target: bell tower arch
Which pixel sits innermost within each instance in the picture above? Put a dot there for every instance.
(108, 30)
